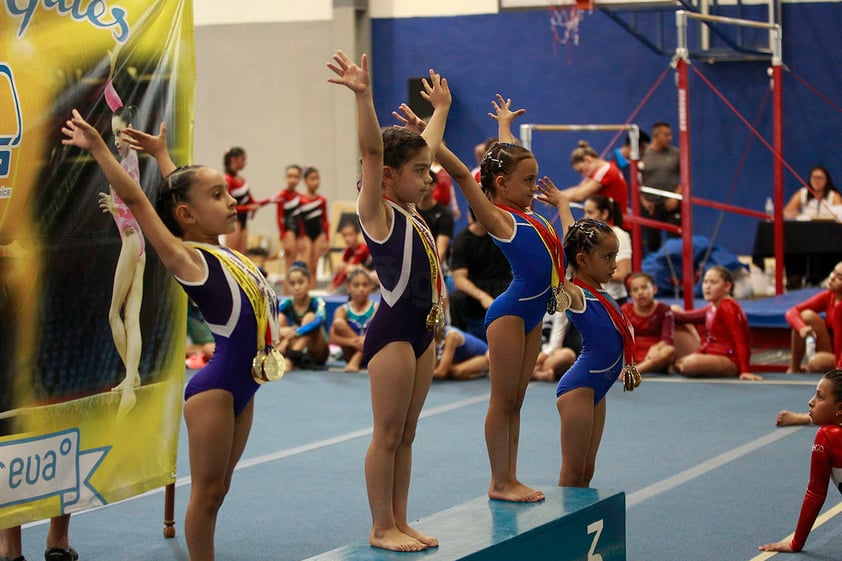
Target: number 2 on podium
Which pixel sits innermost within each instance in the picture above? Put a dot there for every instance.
(595, 528)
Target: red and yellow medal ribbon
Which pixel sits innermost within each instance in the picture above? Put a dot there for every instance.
(550, 240)
(621, 323)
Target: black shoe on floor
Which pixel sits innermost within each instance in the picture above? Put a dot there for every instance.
(61, 554)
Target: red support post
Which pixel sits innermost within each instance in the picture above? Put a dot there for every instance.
(687, 266)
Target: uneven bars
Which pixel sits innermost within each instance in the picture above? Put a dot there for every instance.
(634, 133)
(734, 21)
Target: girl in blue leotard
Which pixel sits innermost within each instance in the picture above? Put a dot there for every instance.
(399, 341)
(193, 209)
(591, 248)
(503, 205)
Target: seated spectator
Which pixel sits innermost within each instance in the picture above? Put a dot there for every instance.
(461, 356)
(350, 320)
(561, 344)
(356, 255)
(653, 324)
(303, 322)
(725, 351)
(480, 273)
(806, 321)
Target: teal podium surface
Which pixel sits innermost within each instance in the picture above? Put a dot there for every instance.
(570, 524)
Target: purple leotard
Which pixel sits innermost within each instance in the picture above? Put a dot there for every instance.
(230, 317)
(532, 269)
(405, 288)
(601, 359)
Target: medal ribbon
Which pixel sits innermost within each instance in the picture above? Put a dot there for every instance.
(429, 248)
(550, 239)
(254, 286)
(621, 323)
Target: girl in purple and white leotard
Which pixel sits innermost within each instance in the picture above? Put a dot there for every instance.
(192, 211)
(399, 345)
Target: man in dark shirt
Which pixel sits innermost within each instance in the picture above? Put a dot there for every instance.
(480, 273)
(660, 170)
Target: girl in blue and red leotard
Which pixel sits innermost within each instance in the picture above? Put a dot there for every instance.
(826, 459)
(193, 209)
(509, 176)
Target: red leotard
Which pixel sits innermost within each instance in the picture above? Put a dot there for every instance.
(828, 303)
(825, 464)
(727, 331)
(648, 330)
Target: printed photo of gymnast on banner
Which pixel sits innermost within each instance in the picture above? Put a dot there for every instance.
(92, 328)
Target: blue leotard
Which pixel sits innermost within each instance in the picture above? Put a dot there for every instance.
(601, 360)
(315, 305)
(405, 288)
(230, 317)
(473, 346)
(531, 264)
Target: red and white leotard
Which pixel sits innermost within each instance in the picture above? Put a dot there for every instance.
(727, 331)
(648, 330)
(825, 464)
(289, 212)
(828, 303)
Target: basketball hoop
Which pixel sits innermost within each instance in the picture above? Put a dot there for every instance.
(565, 20)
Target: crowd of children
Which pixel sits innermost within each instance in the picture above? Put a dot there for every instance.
(564, 317)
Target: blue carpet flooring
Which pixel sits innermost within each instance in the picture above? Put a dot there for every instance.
(707, 474)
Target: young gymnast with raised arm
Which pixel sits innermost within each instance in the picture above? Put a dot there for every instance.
(503, 205)
(193, 210)
(826, 458)
(607, 350)
(399, 344)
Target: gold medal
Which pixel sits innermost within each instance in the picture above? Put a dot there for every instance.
(274, 366)
(268, 366)
(257, 367)
(563, 300)
(631, 377)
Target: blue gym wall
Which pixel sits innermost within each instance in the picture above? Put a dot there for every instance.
(605, 77)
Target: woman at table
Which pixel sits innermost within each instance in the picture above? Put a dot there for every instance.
(815, 200)
(811, 203)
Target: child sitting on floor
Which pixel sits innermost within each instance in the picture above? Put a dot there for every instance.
(653, 323)
(725, 351)
(463, 356)
(303, 320)
(350, 320)
(827, 332)
(561, 344)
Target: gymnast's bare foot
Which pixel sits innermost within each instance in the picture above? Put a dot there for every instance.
(515, 492)
(395, 540)
(429, 541)
(790, 418)
(127, 383)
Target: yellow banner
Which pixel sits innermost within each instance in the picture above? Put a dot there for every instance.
(92, 327)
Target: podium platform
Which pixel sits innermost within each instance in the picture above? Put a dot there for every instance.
(571, 524)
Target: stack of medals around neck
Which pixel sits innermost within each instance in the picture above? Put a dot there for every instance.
(559, 300)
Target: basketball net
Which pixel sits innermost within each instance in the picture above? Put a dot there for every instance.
(565, 20)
